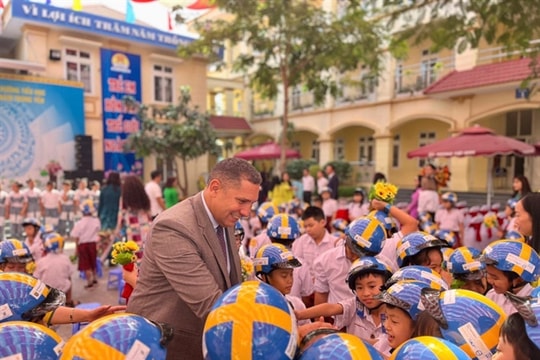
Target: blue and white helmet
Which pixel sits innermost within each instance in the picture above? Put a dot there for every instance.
(283, 227)
(365, 236)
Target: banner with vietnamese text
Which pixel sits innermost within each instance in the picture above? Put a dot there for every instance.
(120, 78)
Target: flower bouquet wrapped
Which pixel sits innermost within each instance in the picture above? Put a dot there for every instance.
(491, 221)
(123, 253)
(383, 191)
(247, 269)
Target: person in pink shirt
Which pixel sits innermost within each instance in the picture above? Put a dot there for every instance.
(55, 268)
(86, 234)
(316, 240)
(329, 206)
(450, 218)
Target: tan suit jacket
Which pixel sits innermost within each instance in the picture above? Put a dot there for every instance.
(183, 273)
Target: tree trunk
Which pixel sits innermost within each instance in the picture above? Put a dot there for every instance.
(183, 188)
(284, 121)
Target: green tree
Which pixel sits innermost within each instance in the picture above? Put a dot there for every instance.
(290, 43)
(459, 24)
(176, 132)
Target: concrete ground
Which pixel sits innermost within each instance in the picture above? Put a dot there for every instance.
(98, 293)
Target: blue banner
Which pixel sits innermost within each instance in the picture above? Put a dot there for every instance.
(39, 119)
(120, 77)
(99, 25)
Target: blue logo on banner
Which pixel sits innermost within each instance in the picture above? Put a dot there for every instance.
(120, 77)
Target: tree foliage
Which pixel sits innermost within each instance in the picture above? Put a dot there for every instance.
(290, 43)
(176, 132)
(459, 24)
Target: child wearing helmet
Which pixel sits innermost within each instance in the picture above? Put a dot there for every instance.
(511, 267)
(386, 213)
(86, 234)
(55, 268)
(14, 256)
(451, 218)
(32, 229)
(420, 248)
(362, 314)
(468, 272)
(274, 265)
(402, 301)
(265, 212)
(512, 344)
(284, 230)
(25, 340)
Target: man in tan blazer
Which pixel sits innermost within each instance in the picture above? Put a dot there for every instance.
(184, 269)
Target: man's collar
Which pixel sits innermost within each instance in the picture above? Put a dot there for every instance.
(208, 212)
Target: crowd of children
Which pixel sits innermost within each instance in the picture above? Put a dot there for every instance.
(391, 289)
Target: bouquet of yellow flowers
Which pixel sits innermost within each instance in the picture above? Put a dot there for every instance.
(490, 221)
(124, 253)
(383, 191)
(247, 268)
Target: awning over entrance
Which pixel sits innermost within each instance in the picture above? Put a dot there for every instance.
(481, 78)
(232, 125)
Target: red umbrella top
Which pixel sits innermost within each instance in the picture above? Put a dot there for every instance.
(266, 151)
(473, 141)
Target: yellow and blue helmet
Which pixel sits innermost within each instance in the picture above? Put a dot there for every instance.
(272, 257)
(466, 318)
(428, 348)
(464, 263)
(239, 229)
(283, 227)
(449, 236)
(514, 235)
(450, 197)
(429, 227)
(340, 346)
(46, 229)
(31, 221)
(25, 298)
(340, 224)
(365, 236)
(266, 211)
(29, 341)
(415, 242)
(53, 242)
(14, 251)
(419, 273)
(88, 207)
(515, 256)
(364, 265)
(251, 320)
(528, 308)
(385, 219)
(116, 336)
(405, 295)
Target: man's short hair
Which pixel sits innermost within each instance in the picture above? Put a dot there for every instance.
(154, 174)
(313, 212)
(233, 170)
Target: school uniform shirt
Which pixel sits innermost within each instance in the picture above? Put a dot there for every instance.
(308, 183)
(329, 207)
(15, 201)
(36, 248)
(358, 320)
(297, 305)
(449, 219)
(86, 229)
(82, 195)
(302, 280)
(306, 248)
(389, 251)
(258, 242)
(330, 270)
(503, 301)
(383, 346)
(55, 270)
(31, 197)
(322, 182)
(428, 201)
(51, 199)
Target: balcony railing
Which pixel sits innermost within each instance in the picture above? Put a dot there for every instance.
(351, 93)
(499, 53)
(301, 100)
(410, 79)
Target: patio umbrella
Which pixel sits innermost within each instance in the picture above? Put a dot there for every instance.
(475, 141)
(267, 151)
